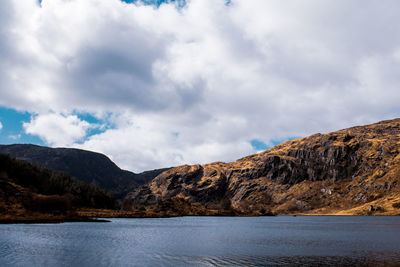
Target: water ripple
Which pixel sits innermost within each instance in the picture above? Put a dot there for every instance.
(206, 241)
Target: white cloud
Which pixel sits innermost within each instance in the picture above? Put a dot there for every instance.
(1, 126)
(197, 84)
(15, 136)
(57, 129)
(145, 142)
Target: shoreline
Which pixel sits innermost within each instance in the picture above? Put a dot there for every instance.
(50, 221)
(108, 219)
(104, 215)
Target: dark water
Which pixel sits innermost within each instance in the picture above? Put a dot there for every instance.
(206, 241)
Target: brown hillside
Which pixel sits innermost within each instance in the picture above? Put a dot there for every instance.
(351, 171)
(29, 193)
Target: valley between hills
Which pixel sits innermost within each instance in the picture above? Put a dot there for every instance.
(354, 171)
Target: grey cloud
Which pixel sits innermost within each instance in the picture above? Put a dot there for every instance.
(219, 75)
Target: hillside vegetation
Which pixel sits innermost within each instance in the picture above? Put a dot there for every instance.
(354, 171)
(87, 166)
(29, 192)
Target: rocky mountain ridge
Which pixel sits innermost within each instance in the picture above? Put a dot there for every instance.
(351, 171)
(89, 167)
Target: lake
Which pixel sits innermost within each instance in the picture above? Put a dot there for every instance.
(206, 241)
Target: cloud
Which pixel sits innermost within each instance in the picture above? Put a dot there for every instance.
(200, 82)
(145, 142)
(15, 136)
(1, 126)
(57, 129)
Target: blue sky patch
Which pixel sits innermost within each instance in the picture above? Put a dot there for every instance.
(259, 145)
(12, 131)
(99, 126)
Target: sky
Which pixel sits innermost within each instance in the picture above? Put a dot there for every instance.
(155, 84)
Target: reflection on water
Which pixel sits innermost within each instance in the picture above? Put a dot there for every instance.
(206, 241)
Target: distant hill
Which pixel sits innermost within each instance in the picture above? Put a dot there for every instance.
(29, 192)
(89, 167)
(354, 171)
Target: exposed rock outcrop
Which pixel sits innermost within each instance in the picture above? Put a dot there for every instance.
(343, 172)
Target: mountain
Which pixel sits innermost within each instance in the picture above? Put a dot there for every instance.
(89, 167)
(351, 171)
(30, 193)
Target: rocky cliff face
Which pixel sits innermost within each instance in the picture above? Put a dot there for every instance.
(89, 167)
(351, 171)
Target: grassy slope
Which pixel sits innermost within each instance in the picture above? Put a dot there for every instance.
(29, 193)
(344, 173)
